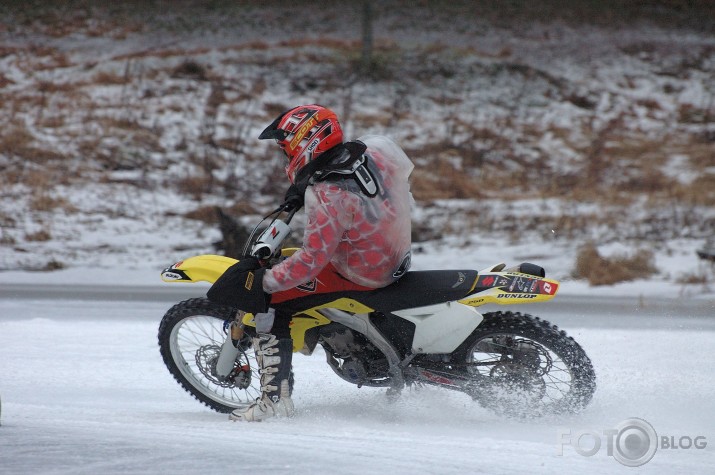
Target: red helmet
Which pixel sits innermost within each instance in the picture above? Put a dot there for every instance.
(304, 133)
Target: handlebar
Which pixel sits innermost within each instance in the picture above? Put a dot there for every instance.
(269, 242)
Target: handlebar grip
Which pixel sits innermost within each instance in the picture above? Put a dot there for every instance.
(270, 240)
(262, 252)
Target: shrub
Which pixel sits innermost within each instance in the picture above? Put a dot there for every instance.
(190, 69)
(53, 264)
(599, 270)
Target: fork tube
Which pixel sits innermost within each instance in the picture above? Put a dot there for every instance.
(229, 353)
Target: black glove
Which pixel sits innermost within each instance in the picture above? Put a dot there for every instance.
(241, 286)
(294, 198)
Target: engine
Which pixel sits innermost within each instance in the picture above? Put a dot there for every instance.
(343, 344)
(353, 357)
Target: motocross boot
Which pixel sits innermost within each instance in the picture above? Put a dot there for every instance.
(274, 359)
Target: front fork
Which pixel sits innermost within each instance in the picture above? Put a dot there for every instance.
(230, 348)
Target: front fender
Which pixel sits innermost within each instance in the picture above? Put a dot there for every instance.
(203, 268)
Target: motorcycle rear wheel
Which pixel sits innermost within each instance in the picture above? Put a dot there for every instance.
(191, 334)
(522, 366)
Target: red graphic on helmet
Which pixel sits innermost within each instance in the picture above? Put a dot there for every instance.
(303, 133)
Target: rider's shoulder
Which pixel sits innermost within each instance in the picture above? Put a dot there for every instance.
(332, 193)
(331, 188)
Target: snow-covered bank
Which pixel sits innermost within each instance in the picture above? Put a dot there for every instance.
(531, 137)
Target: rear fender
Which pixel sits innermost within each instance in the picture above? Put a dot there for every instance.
(494, 286)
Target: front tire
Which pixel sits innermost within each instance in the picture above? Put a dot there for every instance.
(522, 366)
(190, 338)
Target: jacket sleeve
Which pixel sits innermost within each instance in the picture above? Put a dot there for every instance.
(326, 223)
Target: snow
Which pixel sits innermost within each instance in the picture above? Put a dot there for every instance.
(82, 384)
(84, 390)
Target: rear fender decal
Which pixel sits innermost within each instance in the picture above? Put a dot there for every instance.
(510, 288)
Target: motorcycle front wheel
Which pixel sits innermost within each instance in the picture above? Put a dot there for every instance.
(191, 335)
(521, 366)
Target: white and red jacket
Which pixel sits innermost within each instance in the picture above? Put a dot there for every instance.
(366, 240)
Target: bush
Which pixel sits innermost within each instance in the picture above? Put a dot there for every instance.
(599, 270)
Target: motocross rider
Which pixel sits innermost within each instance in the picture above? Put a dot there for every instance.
(357, 238)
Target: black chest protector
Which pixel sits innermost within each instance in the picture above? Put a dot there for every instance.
(346, 161)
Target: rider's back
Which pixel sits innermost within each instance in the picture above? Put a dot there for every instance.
(375, 247)
(367, 239)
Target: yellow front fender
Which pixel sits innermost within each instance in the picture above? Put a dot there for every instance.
(203, 268)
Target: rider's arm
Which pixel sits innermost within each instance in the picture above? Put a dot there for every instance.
(326, 223)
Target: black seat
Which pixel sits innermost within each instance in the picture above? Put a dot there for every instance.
(419, 289)
(414, 289)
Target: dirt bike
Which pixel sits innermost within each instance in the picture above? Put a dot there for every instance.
(424, 329)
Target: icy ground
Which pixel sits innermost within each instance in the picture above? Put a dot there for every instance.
(84, 391)
(82, 384)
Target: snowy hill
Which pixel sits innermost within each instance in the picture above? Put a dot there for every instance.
(534, 132)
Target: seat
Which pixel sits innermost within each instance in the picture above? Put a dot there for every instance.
(420, 289)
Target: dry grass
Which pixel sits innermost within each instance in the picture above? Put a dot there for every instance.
(599, 270)
(39, 236)
(163, 53)
(45, 202)
(14, 139)
(42, 156)
(331, 43)
(205, 214)
(700, 192)
(690, 114)
(56, 87)
(52, 122)
(7, 223)
(109, 78)
(52, 265)
(5, 81)
(7, 240)
(693, 278)
(443, 180)
(195, 185)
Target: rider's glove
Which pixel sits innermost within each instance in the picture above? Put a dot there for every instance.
(293, 198)
(241, 286)
(246, 263)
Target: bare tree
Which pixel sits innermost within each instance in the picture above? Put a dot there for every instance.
(366, 35)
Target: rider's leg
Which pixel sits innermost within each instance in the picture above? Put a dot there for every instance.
(274, 354)
(274, 345)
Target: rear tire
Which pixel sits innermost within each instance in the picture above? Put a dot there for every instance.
(522, 366)
(190, 337)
